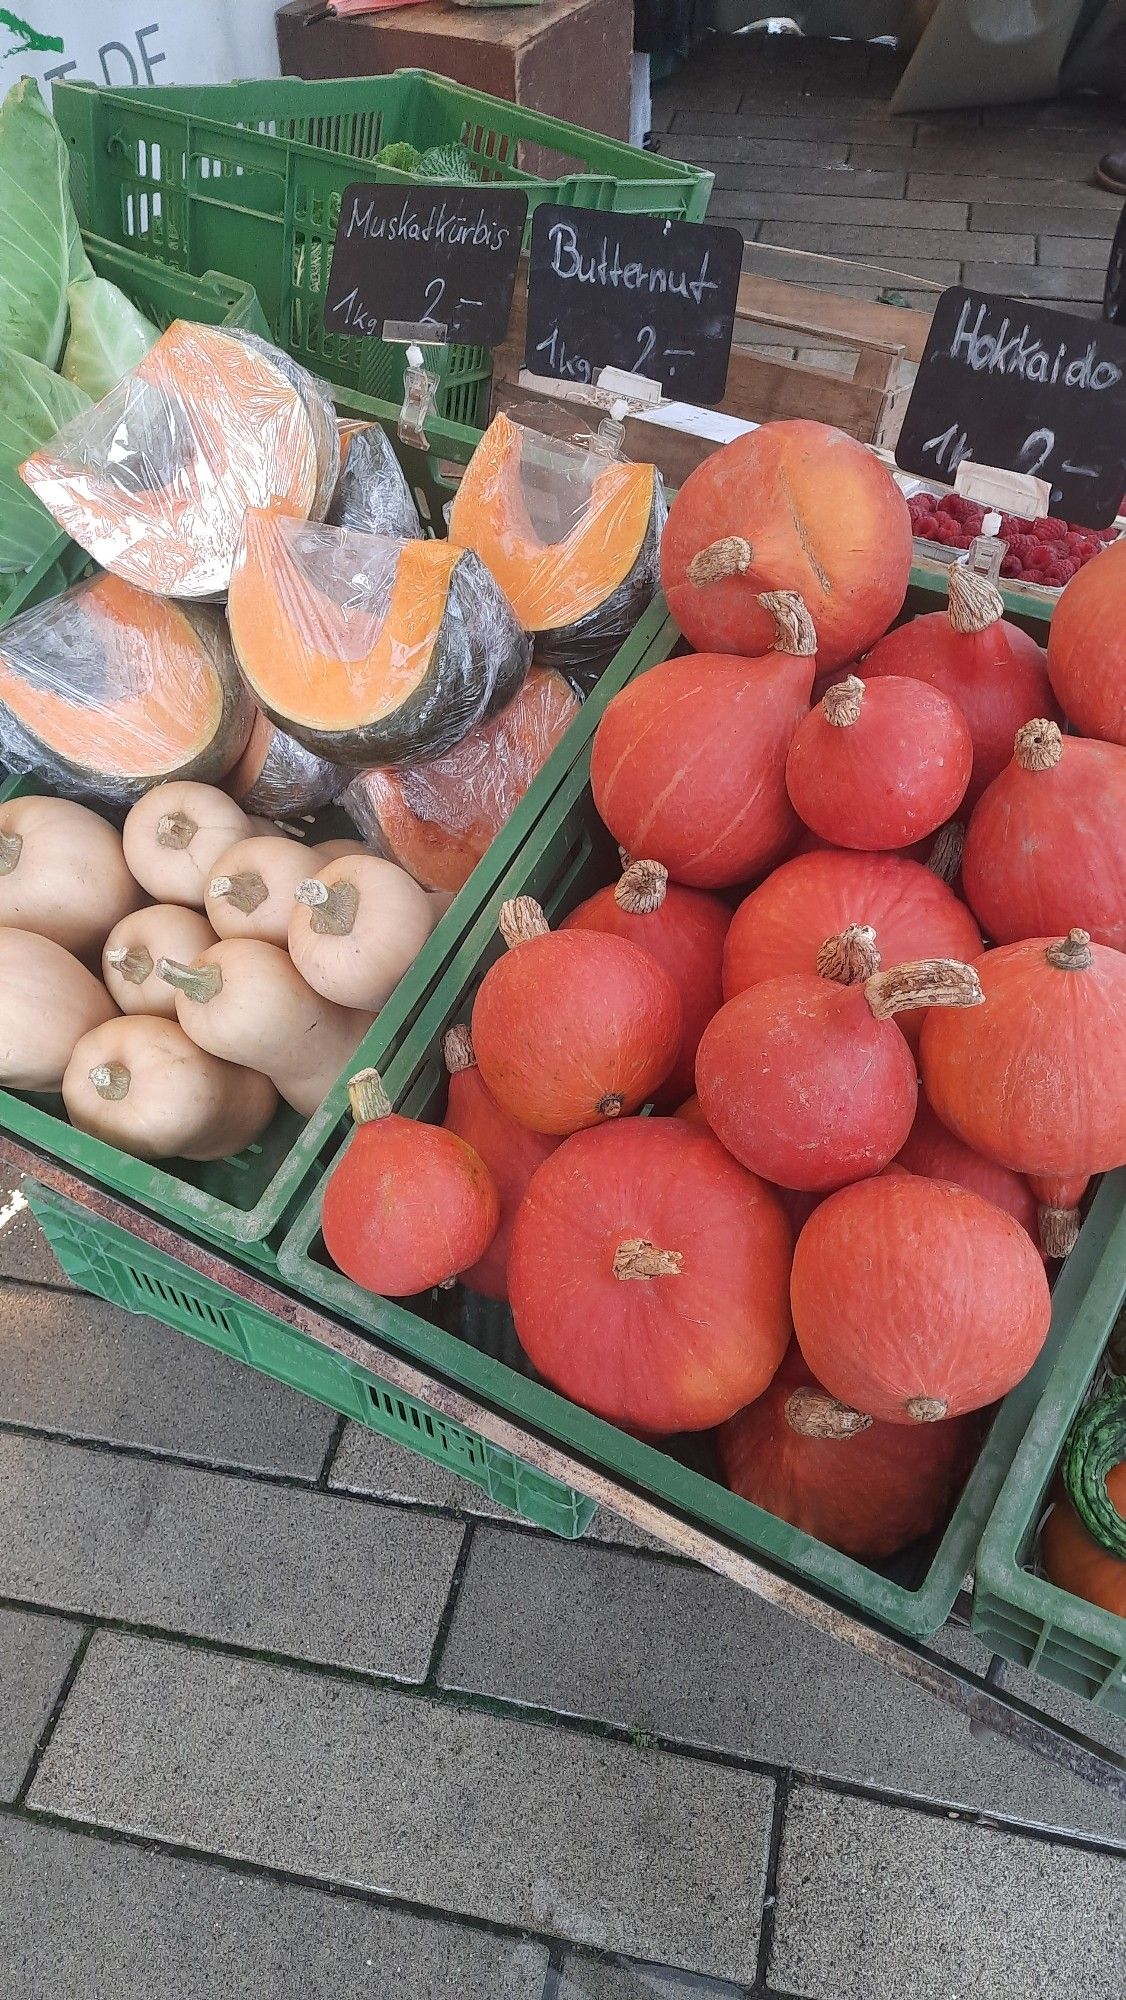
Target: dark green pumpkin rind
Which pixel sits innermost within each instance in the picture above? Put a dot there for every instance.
(581, 650)
(1096, 1444)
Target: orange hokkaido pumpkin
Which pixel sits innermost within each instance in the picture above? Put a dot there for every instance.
(510, 1151)
(1087, 646)
(880, 765)
(648, 1274)
(932, 1150)
(1074, 1561)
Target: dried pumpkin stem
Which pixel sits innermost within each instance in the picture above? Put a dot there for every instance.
(1058, 1230)
(198, 982)
(1072, 954)
(367, 1097)
(851, 957)
(638, 1258)
(457, 1050)
(334, 906)
(610, 1106)
(11, 847)
(730, 556)
(841, 704)
(792, 623)
(111, 1080)
(926, 1409)
(945, 857)
(521, 920)
(175, 830)
(975, 603)
(814, 1414)
(245, 892)
(641, 889)
(1039, 745)
(133, 961)
(925, 982)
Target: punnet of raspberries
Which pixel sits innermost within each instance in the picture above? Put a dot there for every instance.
(1047, 552)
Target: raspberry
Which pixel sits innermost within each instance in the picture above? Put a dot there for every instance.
(1013, 526)
(1010, 566)
(1050, 530)
(954, 505)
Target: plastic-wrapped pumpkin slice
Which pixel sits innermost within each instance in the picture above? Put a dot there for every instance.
(571, 535)
(371, 492)
(366, 649)
(155, 479)
(108, 691)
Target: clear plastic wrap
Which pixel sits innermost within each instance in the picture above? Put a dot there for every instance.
(572, 536)
(371, 492)
(155, 479)
(366, 649)
(277, 778)
(107, 690)
(436, 819)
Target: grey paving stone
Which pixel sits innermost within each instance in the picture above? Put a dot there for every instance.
(615, 1979)
(243, 1561)
(620, 1848)
(1034, 281)
(897, 242)
(876, 1900)
(24, 1251)
(834, 183)
(843, 211)
(1091, 253)
(83, 1915)
(834, 128)
(992, 191)
(771, 154)
(35, 1653)
(1051, 156)
(718, 1668)
(1080, 222)
(74, 1364)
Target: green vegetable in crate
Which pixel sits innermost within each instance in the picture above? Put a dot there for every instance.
(1073, 1560)
(40, 246)
(34, 404)
(447, 163)
(1096, 1445)
(108, 336)
(400, 155)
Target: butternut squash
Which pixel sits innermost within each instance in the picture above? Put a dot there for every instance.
(48, 1001)
(62, 873)
(332, 850)
(356, 927)
(174, 836)
(144, 1086)
(244, 1000)
(251, 891)
(163, 930)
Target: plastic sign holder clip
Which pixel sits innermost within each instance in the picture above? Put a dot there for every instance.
(610, 437)
(420, 389)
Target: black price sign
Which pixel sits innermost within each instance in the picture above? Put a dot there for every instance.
(1026, 388)
(635, 292)
(439, 259)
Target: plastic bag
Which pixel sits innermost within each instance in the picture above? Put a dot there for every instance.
(278, 778)
(108, 690)
(371, 492)
(155, 479)
(369, 650)
(572, 537)
(437, 819)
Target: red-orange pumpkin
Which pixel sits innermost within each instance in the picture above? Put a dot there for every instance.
(879, 765)
(781, 926)
(935, 1152)
(864, 1487)
(510, 1151)
(996, 674)
(1087, 646)
(648, 1276)
(915, 1300)
(684, 930)
(1074, 1561)
(1034, 1078)
(792, 506)
(1046, 847)
(409, 1205)
(806, 1079)
(572, 1028)
(688, 764)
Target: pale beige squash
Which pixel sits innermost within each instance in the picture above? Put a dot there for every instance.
(251, 892)
(161, 930)
(174, 837)
(143, 1085)
(48, 1001)
(356, 927)
(63, 873)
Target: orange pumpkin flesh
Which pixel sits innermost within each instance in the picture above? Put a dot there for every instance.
(879, 766)
(1074, 1561)
(647, 1276)
(510, 1151)
(1087, 646)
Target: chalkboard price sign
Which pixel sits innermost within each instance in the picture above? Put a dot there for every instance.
(636, 292)
(1026, 388)
(432, 257)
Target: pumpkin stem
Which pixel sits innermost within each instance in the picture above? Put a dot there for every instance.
(334, 906)
(457, 1050)
(793, 624)
(521, 920)
(1039, 745)
(111, 1080)
(641, 889)
(610, 1106)
(244, 891)
(975, 603)
(1072, 954)
(851, 957)
(925, 982)
(638, 1258)
(945, 857)
(730, 556)
(926, 1409)
(1058, 1229)
(199, 982)
(11, 847)
(813, 1414)
(624, 855)
(841, 704)
(175, 830)
(367, 1097)
(133, 961)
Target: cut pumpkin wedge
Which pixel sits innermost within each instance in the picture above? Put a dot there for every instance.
(366, 649)
(155, 479)
(277, 777)
(371, 492)
(108, 691)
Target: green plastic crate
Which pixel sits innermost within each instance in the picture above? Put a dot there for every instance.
(117, 1266)
(248, 177)
(1017, 1612)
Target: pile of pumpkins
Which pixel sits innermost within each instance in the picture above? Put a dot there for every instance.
(174, 980)
(868, 1134)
